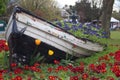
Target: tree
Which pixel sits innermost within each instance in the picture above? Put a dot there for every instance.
(45, 8)
(88, 10)
(69, 8)
(118, 6)
(116, 15)
(3, 6)
(106, 15)
(89, 13)
(82, 8)
(96, 8)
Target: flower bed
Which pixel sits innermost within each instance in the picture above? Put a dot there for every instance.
(3, 45)
(106, 67)
(89, 31)
(94, 71)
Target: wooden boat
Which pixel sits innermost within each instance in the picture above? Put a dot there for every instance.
(24, 28)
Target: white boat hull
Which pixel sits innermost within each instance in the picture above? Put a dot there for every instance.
(50, 34)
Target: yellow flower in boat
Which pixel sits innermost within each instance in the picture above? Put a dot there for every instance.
(6, 43)
(50, 52)
(37, 42)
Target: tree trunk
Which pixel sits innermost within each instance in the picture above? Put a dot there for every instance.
(106, 16)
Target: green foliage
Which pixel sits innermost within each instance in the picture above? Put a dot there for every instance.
(3, 6)
(46, 9)
(36, 58)
(116, 15)
(115, 40)
(80, 34)
(4, 60)
(93, 58)
(85, 31)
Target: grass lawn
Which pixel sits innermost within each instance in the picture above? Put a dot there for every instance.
(115, 34)
(115, 37)
(93, 59)
(115, 40)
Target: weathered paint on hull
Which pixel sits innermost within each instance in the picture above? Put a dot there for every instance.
(23, 28)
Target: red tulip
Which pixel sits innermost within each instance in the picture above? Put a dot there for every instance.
(92, 67)
(110, 78)
(3, 45)
(18, 78)
(56, 62)
(36, 64)
(52, 77)
(29, 78)
(117, 73)
(1, 78)
(18, 71)
(26, 67)
(1, 75)
(93, 78)
(74, 78)
(117, 55)
(13, 65)
(84, 76)
(50, 69)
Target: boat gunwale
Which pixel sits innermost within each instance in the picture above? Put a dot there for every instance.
(18, 9)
